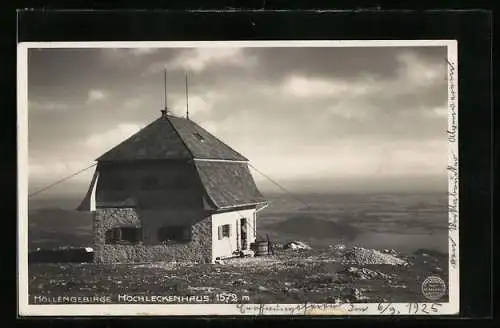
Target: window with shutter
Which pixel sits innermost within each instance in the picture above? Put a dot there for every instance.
(123, 235)
(219, 230)
(226, 230)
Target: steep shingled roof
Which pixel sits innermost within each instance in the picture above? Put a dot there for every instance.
(223, 172)
(171, 137)
(228, 184)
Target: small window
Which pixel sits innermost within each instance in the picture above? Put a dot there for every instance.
(123, 235)
(169, 234)
(224, 231)
(199, 137)
(150, 183)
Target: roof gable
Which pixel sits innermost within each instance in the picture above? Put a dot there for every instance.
(171, 137)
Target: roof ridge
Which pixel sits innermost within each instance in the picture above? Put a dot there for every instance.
(179, 135)
(219, 140)
(125, 140)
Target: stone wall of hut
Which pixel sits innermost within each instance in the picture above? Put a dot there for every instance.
(198, 249)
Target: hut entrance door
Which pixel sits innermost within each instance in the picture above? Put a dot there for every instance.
(243, 233)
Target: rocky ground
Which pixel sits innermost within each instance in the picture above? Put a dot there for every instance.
(329, 275)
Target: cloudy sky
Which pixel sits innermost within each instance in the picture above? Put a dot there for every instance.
(329, 119)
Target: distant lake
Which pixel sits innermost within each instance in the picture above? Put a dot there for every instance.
(402, 221)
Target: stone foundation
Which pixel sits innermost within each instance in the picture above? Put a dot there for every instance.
(197, 250)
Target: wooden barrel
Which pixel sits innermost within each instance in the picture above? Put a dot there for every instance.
(260, 248)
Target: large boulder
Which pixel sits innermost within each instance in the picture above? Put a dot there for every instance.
(297, 245)
(362, 256)
(365, 273)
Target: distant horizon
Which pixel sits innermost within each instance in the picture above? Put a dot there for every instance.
(68, 201)
(339, 185)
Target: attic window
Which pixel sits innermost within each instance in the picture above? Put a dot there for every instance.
(199, 137)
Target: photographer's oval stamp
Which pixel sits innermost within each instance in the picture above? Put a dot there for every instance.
(433, 288)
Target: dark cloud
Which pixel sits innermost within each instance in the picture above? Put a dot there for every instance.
(339, 62)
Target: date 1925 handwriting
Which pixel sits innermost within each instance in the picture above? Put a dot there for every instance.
(410, 308)
(424, 308)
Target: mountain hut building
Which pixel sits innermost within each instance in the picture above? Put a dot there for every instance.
(172, 192)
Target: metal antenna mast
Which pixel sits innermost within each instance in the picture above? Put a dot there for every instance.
(187, 98)
(165, 87)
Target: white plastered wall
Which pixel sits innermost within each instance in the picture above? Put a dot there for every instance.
(227, 245)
